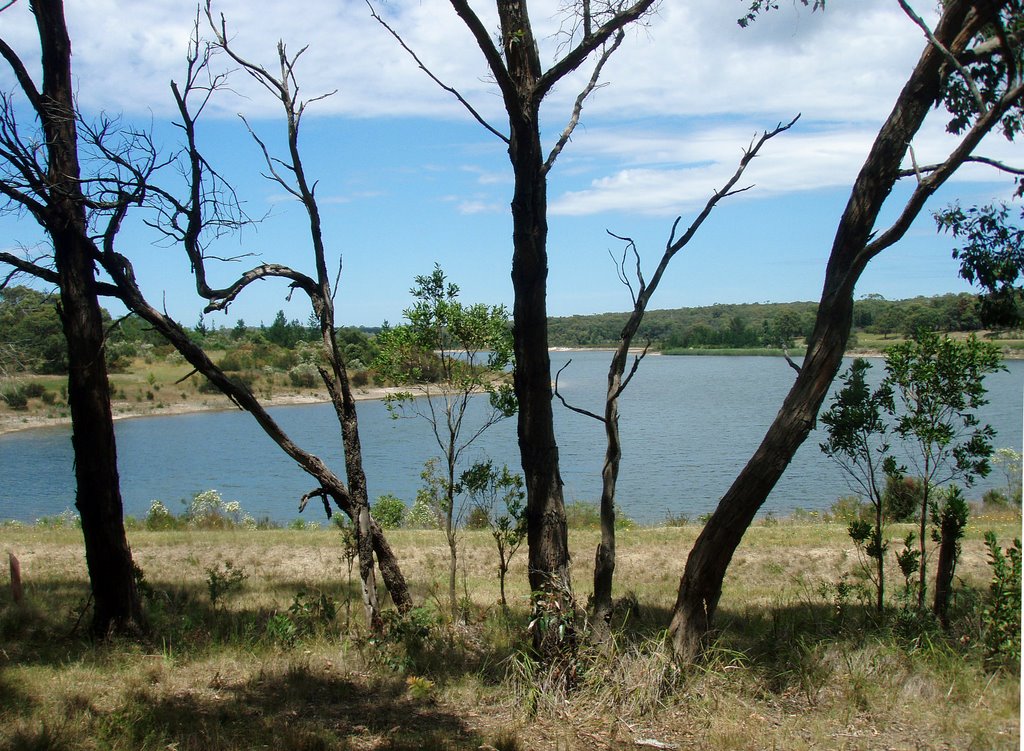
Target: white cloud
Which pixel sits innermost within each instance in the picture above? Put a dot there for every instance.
(689, 59)
(651, 141)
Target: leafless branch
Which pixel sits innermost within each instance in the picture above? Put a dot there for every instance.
(950, 57)
(927, 186)
(566, 404)
(1001, 166)
(320, 493)
(430, 74)
(632, 370)
(577, 109)
(619, 19)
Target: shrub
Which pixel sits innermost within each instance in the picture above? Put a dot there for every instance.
(312, 612)
(304, 376)
(583, 515)
(389, 511)
(360, 378)
(901, 499)
(995, 499)
(1001, 618)
(421, 516)
(676, 519)
(160, 517)
(850, 508)
(479, 518)
(15, 397)
(223, 581)
(207, 510)
(34, 390)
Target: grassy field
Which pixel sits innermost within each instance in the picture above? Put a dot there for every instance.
(277, 656)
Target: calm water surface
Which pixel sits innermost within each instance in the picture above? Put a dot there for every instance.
(688, 426)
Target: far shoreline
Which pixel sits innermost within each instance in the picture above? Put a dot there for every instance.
(15, 422)
(12, 421)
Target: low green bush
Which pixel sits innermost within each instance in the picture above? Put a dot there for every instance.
(389, 511)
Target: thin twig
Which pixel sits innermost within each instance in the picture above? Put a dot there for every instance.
(566, 404)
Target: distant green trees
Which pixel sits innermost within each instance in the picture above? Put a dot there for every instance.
(31, 338)
(771, 325)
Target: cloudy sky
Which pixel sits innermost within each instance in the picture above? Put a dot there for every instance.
(407, 178)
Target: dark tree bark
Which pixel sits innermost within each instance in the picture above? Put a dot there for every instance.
(855, 244)
(949, 542)
(523, 83)
(116, 604)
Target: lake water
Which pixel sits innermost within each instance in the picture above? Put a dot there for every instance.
(688, 425)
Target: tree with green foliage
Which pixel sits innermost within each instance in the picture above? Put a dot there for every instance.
(935, 384)
(991, 256)
(858, 442)
(447, 355)
(499, 497)
(971, 64)
(31, 338)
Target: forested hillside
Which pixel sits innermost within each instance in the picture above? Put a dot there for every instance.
(766, 325)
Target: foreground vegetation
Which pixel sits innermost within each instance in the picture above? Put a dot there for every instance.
(258, 641)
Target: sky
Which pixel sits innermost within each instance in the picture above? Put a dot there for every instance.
(407, 179)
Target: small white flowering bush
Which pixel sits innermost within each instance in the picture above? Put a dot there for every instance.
(160, 517)
(207, 510)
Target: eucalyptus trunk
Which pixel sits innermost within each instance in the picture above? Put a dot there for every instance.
(701, 584)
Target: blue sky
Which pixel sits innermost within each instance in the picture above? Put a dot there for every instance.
(407, 179)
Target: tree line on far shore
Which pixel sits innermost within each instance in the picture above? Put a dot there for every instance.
(32, 340)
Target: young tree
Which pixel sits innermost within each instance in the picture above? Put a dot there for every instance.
(448, 354)
(513, 59)
(857, 441)
(41, 175)
(499, 496)
(971, 63)
(934, 385)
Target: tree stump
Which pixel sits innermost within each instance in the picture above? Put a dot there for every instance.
(16, 591)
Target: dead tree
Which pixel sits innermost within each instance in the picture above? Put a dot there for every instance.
(127, 179)
(989, 100)
(604, 559)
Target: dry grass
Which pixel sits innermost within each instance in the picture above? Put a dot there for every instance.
(793, 667)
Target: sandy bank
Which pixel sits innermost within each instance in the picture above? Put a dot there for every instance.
(12, 420)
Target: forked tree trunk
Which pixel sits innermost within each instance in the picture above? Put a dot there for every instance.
(98, 496)
(701, 584)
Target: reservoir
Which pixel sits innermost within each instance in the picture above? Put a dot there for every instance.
(688, 426)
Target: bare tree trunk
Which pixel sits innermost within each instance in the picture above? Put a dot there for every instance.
(18, 594)
(701, 584)
(944, 568)
(547, 535)
(604, 558)
(98, 497)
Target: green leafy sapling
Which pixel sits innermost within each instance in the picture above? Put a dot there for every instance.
(448, 354)
(500, 497)
(937, 385)
(858, 442)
